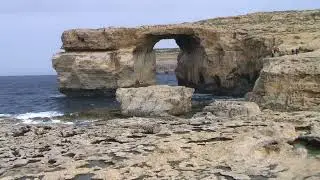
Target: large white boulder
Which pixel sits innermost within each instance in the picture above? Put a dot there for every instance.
(155, 100)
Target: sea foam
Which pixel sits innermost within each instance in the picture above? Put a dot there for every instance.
(57, 96)
(35, 117)
(31, 115)
(5, 116)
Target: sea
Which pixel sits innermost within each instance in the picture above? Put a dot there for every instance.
(32, 97)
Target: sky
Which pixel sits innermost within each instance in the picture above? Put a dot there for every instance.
(30, 30)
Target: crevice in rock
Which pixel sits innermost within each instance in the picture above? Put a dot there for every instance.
(225, 176)
(109, 139)
(83, 176)
(215, 139)
(306, 129)
(225, 168)
(142, 177)
(97, 163)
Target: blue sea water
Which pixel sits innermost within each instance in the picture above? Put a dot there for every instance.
(27, 97)
(167, 79)
(32, 96)
(35, 94)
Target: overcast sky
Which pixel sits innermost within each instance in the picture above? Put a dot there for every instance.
(30, 29)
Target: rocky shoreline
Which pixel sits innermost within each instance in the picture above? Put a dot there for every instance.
(277, 138)
(205, 146)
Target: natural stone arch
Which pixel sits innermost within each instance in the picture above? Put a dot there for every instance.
(190, 59)
(102, 60)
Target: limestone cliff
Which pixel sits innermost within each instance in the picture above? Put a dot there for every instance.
(101, 60)
(223, 56)
(289, 83)
(287, 29)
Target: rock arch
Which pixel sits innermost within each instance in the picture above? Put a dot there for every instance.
(190, 59)
(97, 61)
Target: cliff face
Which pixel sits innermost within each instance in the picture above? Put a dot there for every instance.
(223, 56)
(93, 73)
(289, 83)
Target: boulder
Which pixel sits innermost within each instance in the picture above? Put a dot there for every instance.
(155, 100)
(289, 83)
(226, 108)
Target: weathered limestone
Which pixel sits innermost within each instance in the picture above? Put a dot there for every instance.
(91, 73)
(231, 109)
(155, 100)
(289, 83)
(287, 29)
(209, 60)
(222, 56)
(207, 147)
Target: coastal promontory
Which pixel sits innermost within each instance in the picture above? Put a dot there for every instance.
(229, 56)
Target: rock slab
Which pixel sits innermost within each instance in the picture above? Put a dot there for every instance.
(155, 100)
(232, 108)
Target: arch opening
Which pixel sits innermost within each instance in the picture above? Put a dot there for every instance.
(167, 52)
(190, 60)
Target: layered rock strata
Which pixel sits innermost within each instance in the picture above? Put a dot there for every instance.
(289, 83)
(102, 60)
(222, 56)
(287, 29)
(265, 146)
(155, 100)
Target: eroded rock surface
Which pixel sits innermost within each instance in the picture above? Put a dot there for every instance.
(288, 29)
(155, 100)
(203, 147)
(93, 73)
(232, 108)
(289, 82)
(220, 56)
(110, 58)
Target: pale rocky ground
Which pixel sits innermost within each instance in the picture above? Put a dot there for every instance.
(244, 144)
(202, 147)
(231, 108)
